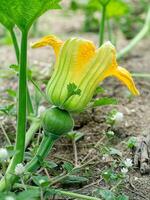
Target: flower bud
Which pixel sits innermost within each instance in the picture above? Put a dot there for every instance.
(124, 170)
(57, 121)
(19, 169)
(3, 154)
(128, 163)
(118, 118)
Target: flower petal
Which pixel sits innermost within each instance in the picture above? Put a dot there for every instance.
(49, 40)
(124, 76)
(94, 73)
(69, 68)
(121, 73)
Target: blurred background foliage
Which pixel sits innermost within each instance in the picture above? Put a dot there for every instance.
(127, 15)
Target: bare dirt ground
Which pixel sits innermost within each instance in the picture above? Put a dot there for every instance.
(136, 111)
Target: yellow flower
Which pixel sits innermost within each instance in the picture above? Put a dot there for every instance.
(78, 61)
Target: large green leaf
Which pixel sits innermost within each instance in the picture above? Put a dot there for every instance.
(6, 21)
(115, 8)
(24, 12)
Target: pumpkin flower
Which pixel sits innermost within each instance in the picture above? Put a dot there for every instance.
(78, 61)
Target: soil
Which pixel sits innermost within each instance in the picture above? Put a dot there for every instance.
(135, 110)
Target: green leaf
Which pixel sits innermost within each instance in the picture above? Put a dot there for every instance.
(50, 164)
(131, 143)
(71, 179)
(114, 151)
(104, 101)
(78, 4)
(23, 13)
(68, 166)
(11, 93)
(6, 21)
(29, 194)
(14, 67)
(5, 195)
(110, 119)
(106, 194)
(40, 180)
(110, 176)
(99, 90)
(7, 108)
(119, 5)
(74, 135)
(122, 197)
(72, 90)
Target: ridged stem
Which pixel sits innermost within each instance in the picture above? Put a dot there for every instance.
(76, 195)
(102, 25)
(21, 114)
(33, 128)
(43, 150)
(102, 21)
(17, 52)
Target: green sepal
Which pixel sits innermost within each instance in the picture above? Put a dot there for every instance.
(51, 135)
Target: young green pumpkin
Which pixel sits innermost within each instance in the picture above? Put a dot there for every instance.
(56, 122)
(79, 62)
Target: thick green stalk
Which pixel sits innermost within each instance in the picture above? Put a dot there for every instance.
(16, 47)
(137, 38)
(102, 25)
(43, 150)
(21, 122)
(22, 101)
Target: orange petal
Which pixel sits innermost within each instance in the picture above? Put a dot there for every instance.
(124, 76)
(49, 40)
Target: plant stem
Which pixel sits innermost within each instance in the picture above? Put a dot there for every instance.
(21, 123)
(29, 103)
(93, 149)
(22, 101)
(63, 176)
(109, 30)
(5, 134)
(33, 128)
(15, 44)
(43, 150)
(76, 195)
(102, 25)
(16, 47)
(61, 192)
(75, 152)
(137, 38)
(141, 75)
